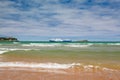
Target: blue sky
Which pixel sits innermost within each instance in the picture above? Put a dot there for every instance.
(73, 19)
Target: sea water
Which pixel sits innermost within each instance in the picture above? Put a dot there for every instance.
(61, 57)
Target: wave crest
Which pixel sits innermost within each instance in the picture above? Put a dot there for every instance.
(72, 66)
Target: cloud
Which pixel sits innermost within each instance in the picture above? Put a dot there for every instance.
(91, 18)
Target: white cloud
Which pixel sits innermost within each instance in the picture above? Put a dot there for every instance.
(55, 19)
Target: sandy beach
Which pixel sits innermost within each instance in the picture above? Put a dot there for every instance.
(42, 74)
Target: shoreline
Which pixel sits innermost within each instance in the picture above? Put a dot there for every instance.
(56, 74)
(60, 61)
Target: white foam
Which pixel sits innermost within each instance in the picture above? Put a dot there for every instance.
(56, 44)
(4, 50)
(36, 65)
(58, 71)
(52, 66)
(77, 45)
(41, 45)
(113, 44)
(1, 52)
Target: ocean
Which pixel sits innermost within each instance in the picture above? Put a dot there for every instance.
(43, 60)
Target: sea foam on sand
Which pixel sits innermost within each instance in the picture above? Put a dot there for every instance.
(52, 66)
(36, 65)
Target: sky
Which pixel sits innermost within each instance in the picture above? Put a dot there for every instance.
(66, 19)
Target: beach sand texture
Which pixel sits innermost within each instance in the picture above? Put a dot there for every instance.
(8, 74)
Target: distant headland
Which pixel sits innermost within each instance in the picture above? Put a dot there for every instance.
(11, 39)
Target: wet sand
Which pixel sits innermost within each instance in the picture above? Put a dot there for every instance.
(69, 74)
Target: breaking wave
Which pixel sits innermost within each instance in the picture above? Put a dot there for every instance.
(57, 45)
(4, 50)
(72, 66)
(1, 52)
(35, 65)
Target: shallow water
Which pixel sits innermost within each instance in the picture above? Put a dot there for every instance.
(95, 60)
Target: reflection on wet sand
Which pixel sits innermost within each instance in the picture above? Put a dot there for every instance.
(18, 73)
